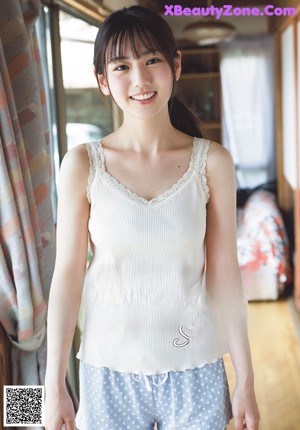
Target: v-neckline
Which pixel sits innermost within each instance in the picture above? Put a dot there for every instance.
(142, 200)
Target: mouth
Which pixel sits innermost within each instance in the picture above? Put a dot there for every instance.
(144, 96)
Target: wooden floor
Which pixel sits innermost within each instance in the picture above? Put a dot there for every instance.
(275, 344)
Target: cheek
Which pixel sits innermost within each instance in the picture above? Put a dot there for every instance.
(118, 91)
(116, 86)
(167, 76)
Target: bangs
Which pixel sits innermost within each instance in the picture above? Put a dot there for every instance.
(138, 26)
(134, 35)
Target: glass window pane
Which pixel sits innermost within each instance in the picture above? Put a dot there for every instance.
(88, 113)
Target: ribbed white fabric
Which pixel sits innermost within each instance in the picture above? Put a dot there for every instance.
(144, 294)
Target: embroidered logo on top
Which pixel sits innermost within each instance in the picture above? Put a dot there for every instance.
(186, 336)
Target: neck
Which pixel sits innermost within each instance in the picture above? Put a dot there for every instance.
(148, 136)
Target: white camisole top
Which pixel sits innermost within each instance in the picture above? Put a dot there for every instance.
(144, 295)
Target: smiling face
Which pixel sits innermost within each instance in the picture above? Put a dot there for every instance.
(140, 80)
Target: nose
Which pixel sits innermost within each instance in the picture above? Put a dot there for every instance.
(141, 77)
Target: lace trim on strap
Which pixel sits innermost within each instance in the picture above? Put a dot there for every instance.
(204, 145)
(162, 197)
(95, 165)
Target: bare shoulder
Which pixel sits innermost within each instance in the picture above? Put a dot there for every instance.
(76, 159)
(220, 166)
(75, 167)
(218, 154)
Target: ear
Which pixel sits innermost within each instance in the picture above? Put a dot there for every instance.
(177, 65)
(102, 83)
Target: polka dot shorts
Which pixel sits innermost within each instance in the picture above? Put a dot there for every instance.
(191, 399)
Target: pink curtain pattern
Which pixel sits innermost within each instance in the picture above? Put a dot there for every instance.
(26, 222)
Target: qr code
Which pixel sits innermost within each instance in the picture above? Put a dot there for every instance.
(23, 405)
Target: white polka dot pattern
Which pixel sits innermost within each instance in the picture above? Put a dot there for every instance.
(191, 399)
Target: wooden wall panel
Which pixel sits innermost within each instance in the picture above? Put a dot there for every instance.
(289, 188)
(297, 190)
(297, 248)
(289, 104)
(278, 22)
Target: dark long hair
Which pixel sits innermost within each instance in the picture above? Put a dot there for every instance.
(139, 23)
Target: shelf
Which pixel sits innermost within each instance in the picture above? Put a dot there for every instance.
(200, 88)
(208, 75)
(200, 61)
(203, 97)
(199, 51)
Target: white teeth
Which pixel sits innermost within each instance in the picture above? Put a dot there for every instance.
(143, 96)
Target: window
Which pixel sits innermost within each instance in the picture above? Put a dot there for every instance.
(88, 114)
(247, 76)
(77, 112)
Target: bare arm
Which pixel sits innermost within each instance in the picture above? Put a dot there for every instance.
(68, 278)
(224, 285)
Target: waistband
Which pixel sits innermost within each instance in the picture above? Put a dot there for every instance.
(150, 380)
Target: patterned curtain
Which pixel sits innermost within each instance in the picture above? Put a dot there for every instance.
(26, 222)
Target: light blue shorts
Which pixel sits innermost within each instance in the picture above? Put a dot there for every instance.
(191, 399)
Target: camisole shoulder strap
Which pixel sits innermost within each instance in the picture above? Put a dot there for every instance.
(96, 165)
(200, 164)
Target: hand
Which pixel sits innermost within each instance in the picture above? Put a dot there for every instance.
(244, 409)
(59, 411)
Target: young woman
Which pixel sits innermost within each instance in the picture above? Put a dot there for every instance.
(163, 295)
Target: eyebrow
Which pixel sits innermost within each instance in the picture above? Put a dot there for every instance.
(123, 57)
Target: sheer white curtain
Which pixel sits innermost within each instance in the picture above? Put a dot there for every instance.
(248, 98)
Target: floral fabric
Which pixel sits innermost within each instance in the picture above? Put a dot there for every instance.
(262, 238)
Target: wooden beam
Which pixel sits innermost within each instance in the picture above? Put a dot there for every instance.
(289, 199)
(297, 161)
(297, 249)
(59, 100)
(159, 6)
(91, 10)
(279, 138)
(241, 3)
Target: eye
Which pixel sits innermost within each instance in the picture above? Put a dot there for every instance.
(154, 60)
(120, 68)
